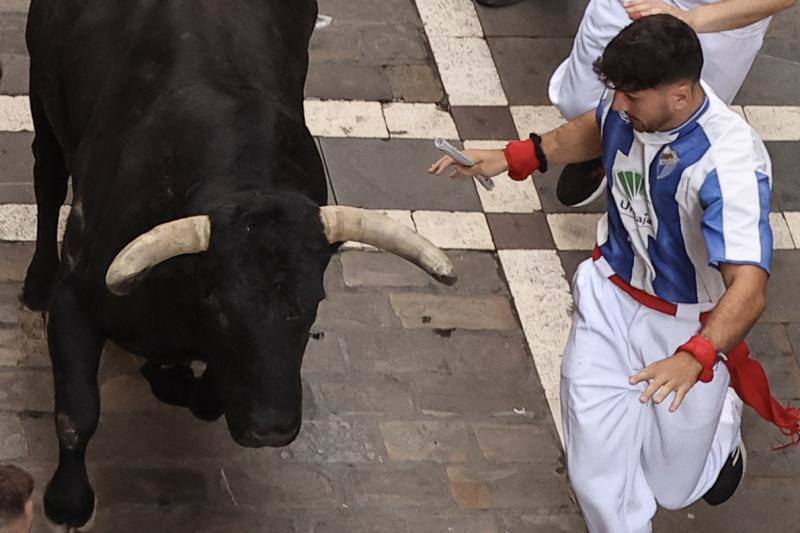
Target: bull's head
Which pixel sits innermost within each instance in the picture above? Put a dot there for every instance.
(268, 267)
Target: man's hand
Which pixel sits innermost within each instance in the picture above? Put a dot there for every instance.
(488, 163)
(642, 8)
(676, 374)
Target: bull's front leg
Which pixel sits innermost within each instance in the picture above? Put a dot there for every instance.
(75, 344)
(50, 176)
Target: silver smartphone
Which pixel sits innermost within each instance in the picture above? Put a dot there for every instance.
(462, 159)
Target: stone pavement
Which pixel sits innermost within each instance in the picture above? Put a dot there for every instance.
(428, 409)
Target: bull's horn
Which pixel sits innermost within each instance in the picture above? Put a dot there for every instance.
(353, 224)
(188, 235)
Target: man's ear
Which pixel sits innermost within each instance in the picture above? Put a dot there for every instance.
(681, 95)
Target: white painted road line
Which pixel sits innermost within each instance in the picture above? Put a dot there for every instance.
(459, 230)
(341, 118)
(508, 196)
(418, 121)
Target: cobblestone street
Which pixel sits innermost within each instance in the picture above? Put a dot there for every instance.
(426, 408)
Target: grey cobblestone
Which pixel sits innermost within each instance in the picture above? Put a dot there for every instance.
(439, 442)
(388, 488)
(384, 396)
(508, 488)
(445, 312)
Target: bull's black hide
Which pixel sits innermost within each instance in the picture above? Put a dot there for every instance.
(162, 109)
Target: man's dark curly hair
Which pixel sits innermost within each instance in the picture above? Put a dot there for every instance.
(651, 52)
(16, 487)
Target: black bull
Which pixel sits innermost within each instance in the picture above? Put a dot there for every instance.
(185, 116)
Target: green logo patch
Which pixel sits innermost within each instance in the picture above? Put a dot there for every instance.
(632, 183)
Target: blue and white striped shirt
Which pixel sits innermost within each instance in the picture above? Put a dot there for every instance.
(682, 202)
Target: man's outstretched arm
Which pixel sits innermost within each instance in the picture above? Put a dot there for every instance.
(577, 140)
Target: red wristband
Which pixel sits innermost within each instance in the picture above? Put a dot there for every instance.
(521, 158)
(705, 353)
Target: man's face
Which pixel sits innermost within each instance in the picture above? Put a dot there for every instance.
(649, 110)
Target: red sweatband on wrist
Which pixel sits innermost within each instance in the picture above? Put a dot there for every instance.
(521, 158)
(705, 353)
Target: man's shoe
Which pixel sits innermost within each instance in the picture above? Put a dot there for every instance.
(581, 183)
(497, 3)
(729, 477)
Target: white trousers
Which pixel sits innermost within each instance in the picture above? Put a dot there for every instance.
(625, 457)
(575, 89)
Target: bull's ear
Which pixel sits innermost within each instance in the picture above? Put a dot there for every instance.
(370, 227)
(188, 235)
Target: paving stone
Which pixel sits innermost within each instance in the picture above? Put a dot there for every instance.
(463, 522)
(524, 231)
(446, 353)
(454, 230)
(761, 438)
(781, 233)
(775, 123)
(450, 18)
(517, 443)
(181, 518)
(334, 441)
(12, 32)
(323, 353)
(468, 71)
(430, 441)
(394, 44)
(270, 486)
(547, 18)
(570, 261)
(160, 486)
(15, 149)
(16, 350)
(342, 311)
(18, 222)
(535, 119)
(782, 292)
(399, 487)
(418, 121)
(17, 193)
(354, 522)
(509, 398)
(415, 83)
(478, 273)
(760, 504)
(339, 43)
(509, 488)
(771, 346)
(369, 269)
(484, 122)
(347, 81)
(393, 175)
(14, 6)
(384, 396)
(445, 312)
(574, 231)
(340, 118)
(15, 74)
(369, 12)
(13, 445)
(545, 523)
(783, 76)
(508, 196)
(526, 82)
(785, 163)
(26, 390)
(15, 114)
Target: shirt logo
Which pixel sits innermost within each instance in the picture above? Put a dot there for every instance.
(632, 183)
(667, 163)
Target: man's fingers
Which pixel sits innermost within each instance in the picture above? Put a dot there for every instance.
(679, 395)
(440, 166)
(641, 376)
(663, 391)
(650, 390)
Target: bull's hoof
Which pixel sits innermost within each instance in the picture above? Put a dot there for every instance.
(63, 528)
